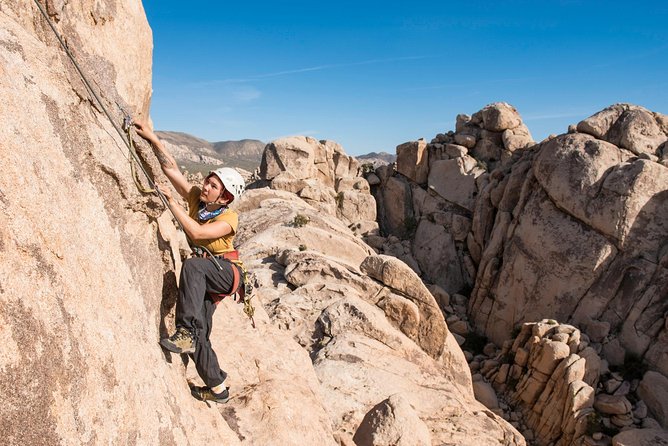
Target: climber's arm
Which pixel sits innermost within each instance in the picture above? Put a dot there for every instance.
(167, 161)
(195, 231)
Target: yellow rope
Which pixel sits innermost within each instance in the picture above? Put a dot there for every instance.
(134, 157)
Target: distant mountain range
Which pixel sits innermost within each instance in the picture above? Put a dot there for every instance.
(377, 158)
(198, 155)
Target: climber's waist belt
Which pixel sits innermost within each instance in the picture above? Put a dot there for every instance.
(230, 255)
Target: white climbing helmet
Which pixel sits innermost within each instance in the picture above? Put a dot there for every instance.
(231, 179)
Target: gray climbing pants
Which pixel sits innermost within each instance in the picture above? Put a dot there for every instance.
(194, 310)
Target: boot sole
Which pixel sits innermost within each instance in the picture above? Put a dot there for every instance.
(174, 349)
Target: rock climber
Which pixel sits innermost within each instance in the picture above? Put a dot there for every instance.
(211, 224)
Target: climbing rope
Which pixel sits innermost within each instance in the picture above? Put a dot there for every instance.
(126, 136)
(127, 128)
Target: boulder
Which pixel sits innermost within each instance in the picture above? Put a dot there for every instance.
(653, 390)
(294, 154)
(392, 422)
(485, 394)
(413, 160)
(612, 404)
(596, 182)
(500, 116)
(454, 180)
(432, 332)
(641, 437)
(354, 206)
(629, 126)
(517, 138)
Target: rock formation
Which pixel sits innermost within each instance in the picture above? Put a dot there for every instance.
(323, 175)
(571, 229)
(83, 273)
(371, 328)
(575, 230)
(482, 233)
(431, 198)
(87, 289)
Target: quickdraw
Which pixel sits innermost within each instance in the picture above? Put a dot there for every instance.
(127, 127)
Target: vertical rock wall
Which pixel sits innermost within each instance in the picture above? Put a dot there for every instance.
(572, 229)
(83, 272)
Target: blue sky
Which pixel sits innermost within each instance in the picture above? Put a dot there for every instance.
(372, 75)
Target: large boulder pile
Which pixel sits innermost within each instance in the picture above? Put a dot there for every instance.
(556, 389)
(375, 334)
(575, 230)
(88, 280)
(571, 229)
(549, 373)
(323, 175)
(429, 198)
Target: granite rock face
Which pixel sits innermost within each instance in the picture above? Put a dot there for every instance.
(431, 197)
(83, 273)
(578, 234)
(375, 334)
(323, 175)
(571, 229)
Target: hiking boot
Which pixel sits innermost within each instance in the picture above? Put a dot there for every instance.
(206, 394)
(180, 342)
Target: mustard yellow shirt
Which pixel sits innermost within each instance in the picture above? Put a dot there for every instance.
(219, 245)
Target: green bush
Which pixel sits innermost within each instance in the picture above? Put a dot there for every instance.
(300, 221)
(367, 168)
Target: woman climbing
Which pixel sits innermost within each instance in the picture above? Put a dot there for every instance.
(210, 224)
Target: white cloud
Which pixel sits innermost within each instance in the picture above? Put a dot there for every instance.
(245, 94)
(309, 69)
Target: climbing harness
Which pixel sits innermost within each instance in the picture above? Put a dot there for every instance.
(242, 285)
(245, 292)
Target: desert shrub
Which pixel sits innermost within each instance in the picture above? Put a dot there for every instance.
(300, 221)
(367, 168)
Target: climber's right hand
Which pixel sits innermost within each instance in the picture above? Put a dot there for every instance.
(144, 130)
